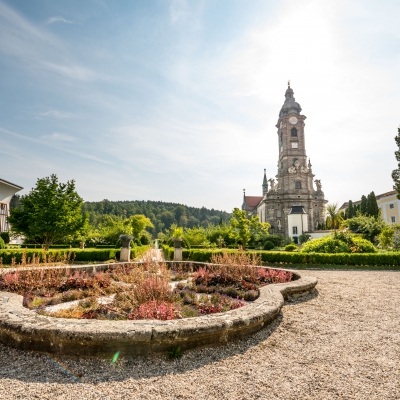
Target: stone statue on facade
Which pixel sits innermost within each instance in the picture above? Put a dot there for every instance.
(272, 183)
(318, 184)
(304, 170)
(292, 169)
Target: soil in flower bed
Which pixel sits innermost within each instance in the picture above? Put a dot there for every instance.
(143, 291)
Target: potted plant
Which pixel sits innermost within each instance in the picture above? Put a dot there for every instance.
(177, 237)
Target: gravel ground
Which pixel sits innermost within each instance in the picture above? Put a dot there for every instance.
(342, 342)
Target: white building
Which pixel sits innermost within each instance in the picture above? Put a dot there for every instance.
(7, 190)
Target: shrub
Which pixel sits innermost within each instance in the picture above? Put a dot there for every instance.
(5, 236)
(268, 245)
(290, 247)
(2, 244)
(339, 242)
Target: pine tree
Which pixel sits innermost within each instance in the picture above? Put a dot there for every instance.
(372, 206)
(363, 205)
(350, 212)
(396, 172)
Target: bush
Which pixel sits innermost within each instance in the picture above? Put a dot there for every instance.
(339, 242)
(5, 236)
(290, 247)
(276, 240)
(268, 245)
(2, 244)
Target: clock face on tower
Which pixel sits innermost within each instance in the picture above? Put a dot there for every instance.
(293, 120)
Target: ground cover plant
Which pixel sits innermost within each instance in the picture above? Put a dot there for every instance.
(143, 291)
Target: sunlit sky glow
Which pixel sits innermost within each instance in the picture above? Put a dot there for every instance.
(178, 100)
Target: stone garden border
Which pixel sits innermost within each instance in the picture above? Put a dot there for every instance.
(25, 329)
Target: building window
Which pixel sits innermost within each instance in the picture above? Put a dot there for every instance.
(393, 219)
(281, 137)
(295, 145)
(294, 132)
(295, 230)
(391, 206)
(297, 185)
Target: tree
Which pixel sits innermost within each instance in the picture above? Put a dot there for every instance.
(136, 224)
(396, 172)
(363, 205)
(369, 227)
(333, 219)
(372, 206)
(49, 213)
(244, 227)
(350, 212)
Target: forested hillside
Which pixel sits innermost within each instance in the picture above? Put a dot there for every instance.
(161, 214)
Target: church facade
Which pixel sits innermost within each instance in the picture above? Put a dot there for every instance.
(293, 185)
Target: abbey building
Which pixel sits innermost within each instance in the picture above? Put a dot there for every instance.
(290, 202)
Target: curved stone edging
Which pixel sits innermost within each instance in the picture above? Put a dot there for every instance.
(25, 329)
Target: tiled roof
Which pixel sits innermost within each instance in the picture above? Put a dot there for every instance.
(252, 201)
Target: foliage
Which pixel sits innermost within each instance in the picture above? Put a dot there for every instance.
(334, 216)
(268, 245)
(396, 172)
(372, 206)
(369, 227)
(301, 258)
(2, 244)
(290, 247)
(363, 205)
(49, 213)
(162, 215)
(5, 236)
(339, 242)
(136, 224)
(174, 353)
(244, 227)
(351, 210)
(386, 236)
(396, 241)
(304, 237)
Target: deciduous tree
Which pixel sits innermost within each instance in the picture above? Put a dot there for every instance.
(49, 213)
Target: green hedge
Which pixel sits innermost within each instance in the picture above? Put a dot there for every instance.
(274, 257)
(85, 255)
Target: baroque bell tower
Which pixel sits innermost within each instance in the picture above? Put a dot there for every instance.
(293, 185)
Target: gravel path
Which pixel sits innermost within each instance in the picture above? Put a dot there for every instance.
(343, 342)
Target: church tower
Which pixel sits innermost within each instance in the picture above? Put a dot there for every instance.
(294, 185)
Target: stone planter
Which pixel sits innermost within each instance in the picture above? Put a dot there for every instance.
(178, 249)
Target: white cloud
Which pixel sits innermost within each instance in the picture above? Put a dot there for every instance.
(58, 19)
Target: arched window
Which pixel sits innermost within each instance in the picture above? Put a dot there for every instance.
(281, 137)
(294, 132)
(298, 185)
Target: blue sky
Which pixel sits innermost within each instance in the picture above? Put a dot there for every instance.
(178, 100)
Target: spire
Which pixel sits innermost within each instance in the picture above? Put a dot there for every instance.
(289, 106)
(265, 183)
(244, 205)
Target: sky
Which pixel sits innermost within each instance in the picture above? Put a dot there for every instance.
(178, 100)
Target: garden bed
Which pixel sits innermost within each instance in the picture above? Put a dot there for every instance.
(139, 291)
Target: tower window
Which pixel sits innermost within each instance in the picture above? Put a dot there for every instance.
(298, 185)
(392, 220)
(281, 137)
(294, 132)
(295, 230)
(391, 206)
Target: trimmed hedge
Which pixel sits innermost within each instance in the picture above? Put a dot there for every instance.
(85, 255)
(274, 257)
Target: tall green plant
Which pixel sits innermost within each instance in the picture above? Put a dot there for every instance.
(49, 213)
